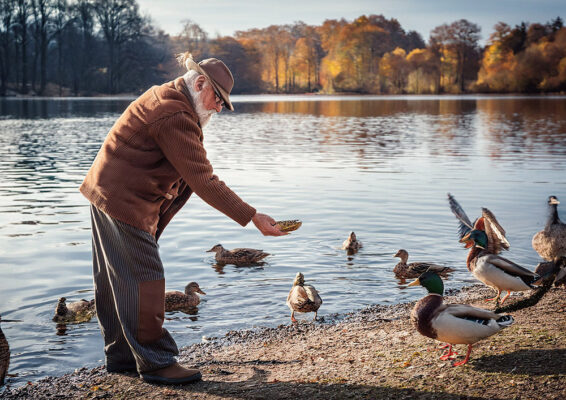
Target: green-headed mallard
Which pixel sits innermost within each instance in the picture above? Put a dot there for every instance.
(4, 356)
(410, 271)
(550, 243)
(240, 257)
(72, 313)
(452, 323)
(352, 244)
(487, 223)
(303, 298)
(494, 270)
(175, 300)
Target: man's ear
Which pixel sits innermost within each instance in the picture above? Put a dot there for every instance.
(199, 83)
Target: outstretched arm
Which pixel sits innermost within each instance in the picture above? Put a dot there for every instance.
(266, 225)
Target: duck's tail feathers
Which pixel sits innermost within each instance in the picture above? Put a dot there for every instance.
(305, 303)
(505, 321)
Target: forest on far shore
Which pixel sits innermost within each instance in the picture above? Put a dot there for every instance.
(104, 47)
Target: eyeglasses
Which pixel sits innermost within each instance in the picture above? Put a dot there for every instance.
(219, 101)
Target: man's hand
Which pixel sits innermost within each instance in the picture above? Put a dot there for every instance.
(266, 225)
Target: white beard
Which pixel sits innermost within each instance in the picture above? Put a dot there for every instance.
(204, 115)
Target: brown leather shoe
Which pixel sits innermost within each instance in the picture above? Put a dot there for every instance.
(174, 374)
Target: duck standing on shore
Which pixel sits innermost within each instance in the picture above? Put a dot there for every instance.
(452, 323)
(550, 244)
(303, 298)
(352, 244)
(73, 313)
(4, 356)
(494, 270)
(410, 271)
(239, 257)
(179, 301)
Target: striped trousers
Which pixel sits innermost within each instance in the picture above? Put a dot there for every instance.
(129, 286)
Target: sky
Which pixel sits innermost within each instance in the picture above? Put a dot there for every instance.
(225, 17)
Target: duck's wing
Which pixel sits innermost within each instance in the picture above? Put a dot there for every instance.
(465, 225)
(81, 305)
(297, 297)
(461, 323)
(509, 266)
(467, 311)
(313, 295)
(422, 267)
(247, 255)
(496, 239)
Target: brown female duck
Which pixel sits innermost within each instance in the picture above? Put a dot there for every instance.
(411, 271)
(303, 298)
(178, 301)
(240, 256)
(352, 244)
(73, 313)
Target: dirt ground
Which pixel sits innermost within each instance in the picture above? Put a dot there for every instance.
(374, 353)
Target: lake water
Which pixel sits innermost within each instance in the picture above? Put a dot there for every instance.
(379, 166)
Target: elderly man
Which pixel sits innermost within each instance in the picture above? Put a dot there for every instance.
(150, 163)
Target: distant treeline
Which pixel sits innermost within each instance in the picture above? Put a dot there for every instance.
(90, 47)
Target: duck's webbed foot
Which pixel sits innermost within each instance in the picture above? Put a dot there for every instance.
(449, 353)
(293, 319)
(465, 360)
(496, 298)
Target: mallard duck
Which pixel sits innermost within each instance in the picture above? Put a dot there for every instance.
(303, 298)
(410, 271)
(352, 244)
(237, 256)
(79, 311)
(4, 356)
(452, 323)
(550, 243)
(487, 223)
(175, 300)
(494, 270)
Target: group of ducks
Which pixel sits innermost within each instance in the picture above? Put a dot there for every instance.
(465, 324)
(449, 323)
(84, 310)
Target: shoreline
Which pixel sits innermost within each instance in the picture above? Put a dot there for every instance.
(374, 352)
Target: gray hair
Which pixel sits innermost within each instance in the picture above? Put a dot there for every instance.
(190, 78)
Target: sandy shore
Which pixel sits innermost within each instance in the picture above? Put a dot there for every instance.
(374, 353)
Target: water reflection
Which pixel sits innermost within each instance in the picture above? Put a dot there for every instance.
(33, 108)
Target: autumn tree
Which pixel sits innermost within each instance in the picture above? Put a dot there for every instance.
(495, 74)
(394, 70)
(457, 45)
(243, 60)
(423, 66)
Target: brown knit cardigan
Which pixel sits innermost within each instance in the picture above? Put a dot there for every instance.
(153, 159)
